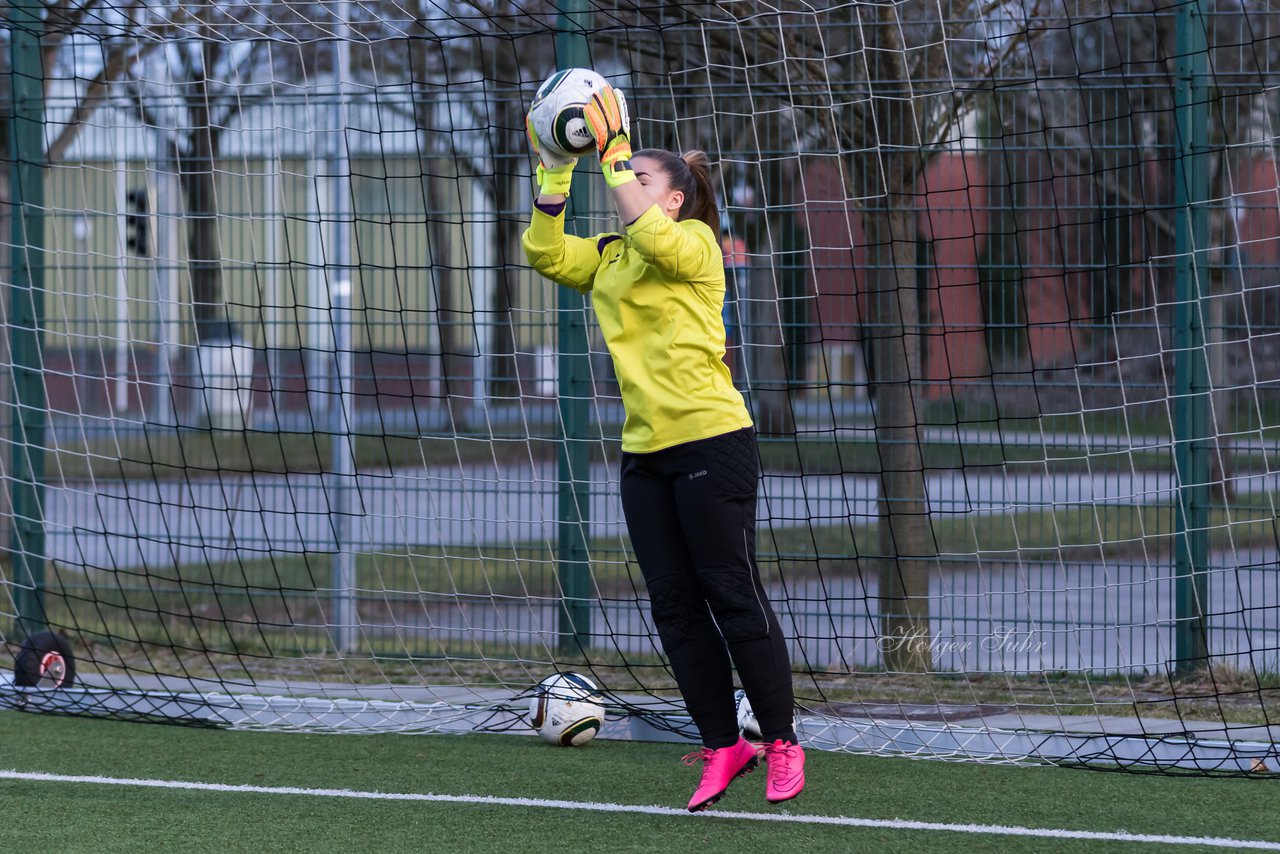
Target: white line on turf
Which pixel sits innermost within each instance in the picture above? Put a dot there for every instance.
(842, 821)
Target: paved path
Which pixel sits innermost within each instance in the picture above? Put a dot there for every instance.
(117, 524)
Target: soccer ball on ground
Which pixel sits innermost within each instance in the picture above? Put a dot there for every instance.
(566, 709)
(557, 111)
(746, 718)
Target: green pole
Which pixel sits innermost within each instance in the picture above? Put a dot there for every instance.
(26, 314)
(575, 391)
(1192, 389)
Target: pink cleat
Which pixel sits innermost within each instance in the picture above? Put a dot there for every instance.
(786, 771)
(720, 768)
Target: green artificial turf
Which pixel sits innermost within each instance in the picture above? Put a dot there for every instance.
(49, 816)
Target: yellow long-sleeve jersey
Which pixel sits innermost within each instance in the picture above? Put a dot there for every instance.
(658, 290)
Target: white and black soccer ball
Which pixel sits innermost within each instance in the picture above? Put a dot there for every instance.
(746, 718)
(566, 709)
(557, 111)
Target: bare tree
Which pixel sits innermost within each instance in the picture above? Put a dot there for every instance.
(122, 35)
(1102, 112)
(189, 94)
(779, 83)
(880, 87)
(62, 20)
(115, 33)
(471, 73)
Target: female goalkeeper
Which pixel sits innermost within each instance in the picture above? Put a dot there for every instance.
(689, 462)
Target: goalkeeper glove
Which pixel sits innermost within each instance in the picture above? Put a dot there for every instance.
(555, 172)
(610, 125)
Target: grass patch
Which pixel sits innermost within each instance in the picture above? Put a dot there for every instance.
(1222, 694)
(1094, 532)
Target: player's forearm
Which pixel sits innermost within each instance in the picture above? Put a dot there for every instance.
(632, 201)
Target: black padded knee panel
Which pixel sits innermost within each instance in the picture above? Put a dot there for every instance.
(676, 613)
(736, 605)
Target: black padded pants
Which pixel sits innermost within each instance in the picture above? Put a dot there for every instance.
(691, 514)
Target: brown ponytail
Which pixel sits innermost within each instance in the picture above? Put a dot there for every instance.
(691, 174)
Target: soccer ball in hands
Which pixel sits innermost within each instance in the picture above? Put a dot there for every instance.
(566, 709)
(556, 113)
(746, 718)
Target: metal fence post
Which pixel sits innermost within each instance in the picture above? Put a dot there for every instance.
(574, 393)
(1192, 387)
(342, 482)
(26, 315)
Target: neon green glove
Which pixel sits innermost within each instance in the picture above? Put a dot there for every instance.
(610, 125)
(555, 173)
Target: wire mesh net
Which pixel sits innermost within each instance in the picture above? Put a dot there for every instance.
(294, 439)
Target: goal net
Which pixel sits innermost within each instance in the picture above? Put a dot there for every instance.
(294, 438)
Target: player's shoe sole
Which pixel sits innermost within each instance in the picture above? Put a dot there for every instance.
(721, 768)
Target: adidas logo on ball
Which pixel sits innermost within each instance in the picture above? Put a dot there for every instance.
(557, 110)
